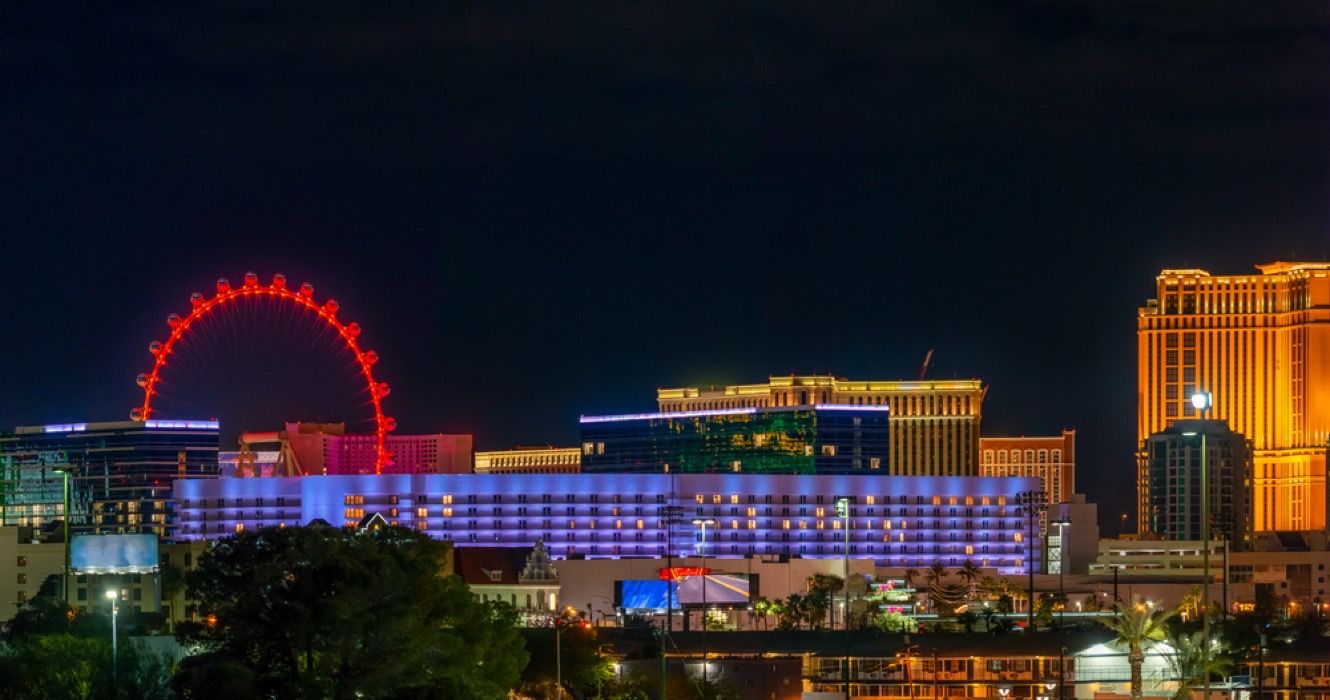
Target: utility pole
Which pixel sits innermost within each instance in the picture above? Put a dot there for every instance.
(843, 510)
(703, 523)
(1202, 402)
(1032, 503)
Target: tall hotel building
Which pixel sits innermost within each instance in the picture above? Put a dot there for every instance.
(933, 425)
(1260, 343)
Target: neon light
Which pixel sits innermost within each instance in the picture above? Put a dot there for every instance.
(726, 412)
(65, 428)
(303, 298)
(673, 414)
(185, 424)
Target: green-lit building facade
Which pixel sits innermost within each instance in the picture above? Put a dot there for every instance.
(810, 439)
(120, 473)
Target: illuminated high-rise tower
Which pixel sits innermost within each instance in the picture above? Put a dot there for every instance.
(1260, 343)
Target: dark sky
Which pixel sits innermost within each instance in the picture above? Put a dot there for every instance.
(538, 210)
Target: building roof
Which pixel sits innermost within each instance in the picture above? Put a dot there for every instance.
(490, 566)
(871, 643)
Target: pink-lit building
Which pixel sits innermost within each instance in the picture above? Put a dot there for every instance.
(324, 448)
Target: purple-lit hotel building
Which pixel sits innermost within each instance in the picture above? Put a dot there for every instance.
(896, 521)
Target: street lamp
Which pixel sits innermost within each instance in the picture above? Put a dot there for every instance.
(1202, 401)
(702, 548)
(64, 515)
(843, 511)
(114, 597)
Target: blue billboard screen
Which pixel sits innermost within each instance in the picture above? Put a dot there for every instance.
(646, 594)
(113, 554)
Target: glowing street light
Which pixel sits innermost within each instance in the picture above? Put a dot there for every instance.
(1202, 401)
(702, 547)
(114, 597)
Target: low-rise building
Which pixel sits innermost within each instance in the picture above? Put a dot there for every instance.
(530, 460)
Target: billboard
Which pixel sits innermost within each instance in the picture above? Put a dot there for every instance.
(645, 594)
(113, 554)
(720, 589)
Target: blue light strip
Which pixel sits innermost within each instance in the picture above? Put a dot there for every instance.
(186, 424)
(65, 428)
(674, 414)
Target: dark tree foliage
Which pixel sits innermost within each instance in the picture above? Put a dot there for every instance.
(328, 613)
(584, 669)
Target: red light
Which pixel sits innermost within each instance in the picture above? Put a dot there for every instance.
(348, 332)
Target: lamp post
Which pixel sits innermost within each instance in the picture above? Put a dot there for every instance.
(843, 510)
(1202, 401)
(1032, 502)
(702, 548)
(114, 597)
(64, 515)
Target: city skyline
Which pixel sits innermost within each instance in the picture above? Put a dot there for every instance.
(810, 198)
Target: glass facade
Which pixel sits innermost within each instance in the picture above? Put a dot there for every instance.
(1173, 481)
(796, 440)
(120, 473)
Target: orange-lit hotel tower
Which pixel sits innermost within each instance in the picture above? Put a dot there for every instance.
(1260, 343)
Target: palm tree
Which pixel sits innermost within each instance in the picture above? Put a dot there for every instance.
(1136, 626)
(1192, 663)
(970, 574)
(910, 576)
(933, 577)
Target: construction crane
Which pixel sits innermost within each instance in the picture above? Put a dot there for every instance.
(923, 369)
(247, 463)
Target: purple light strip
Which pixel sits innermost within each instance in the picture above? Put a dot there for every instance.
(848, 407)
(674, 414)
(65, 428)
(186, 424)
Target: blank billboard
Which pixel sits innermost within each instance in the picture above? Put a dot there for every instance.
(113, 554)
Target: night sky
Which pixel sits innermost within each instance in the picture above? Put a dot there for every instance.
(538, 210)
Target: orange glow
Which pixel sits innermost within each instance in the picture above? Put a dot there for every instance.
(1260, 344)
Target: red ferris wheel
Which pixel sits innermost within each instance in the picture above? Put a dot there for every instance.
(302, 299)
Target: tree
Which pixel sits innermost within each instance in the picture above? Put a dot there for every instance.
(1192, 663)
(821, 589)
(910, 576)
(971, 575)
(584, 669)
(323, 612)
(1136, 626)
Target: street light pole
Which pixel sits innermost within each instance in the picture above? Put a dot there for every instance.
(114, 597)
(1032, 502)
(1202, 402)
(64, 515)
(702, 548)
(843, 510)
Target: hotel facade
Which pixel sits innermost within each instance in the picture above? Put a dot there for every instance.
(934, 425)
(893, 521)
(1260, 344)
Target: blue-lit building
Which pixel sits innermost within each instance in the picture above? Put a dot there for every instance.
(809, 439)
(894, 521)
(120, 473)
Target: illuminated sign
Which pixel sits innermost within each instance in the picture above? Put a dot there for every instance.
(679, 572)
(65, 428)
(113, 554)
(186, 424)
